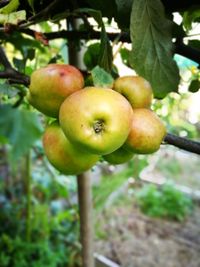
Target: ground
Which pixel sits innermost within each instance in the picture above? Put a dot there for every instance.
(132, 239)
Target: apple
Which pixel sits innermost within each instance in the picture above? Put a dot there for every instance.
(96, 119)
(119, 156)
(49, 86)
(136, 89)
(63, 155)
(147, 132)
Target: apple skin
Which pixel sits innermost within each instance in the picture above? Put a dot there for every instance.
(147, 132)
(49, 86)
(136, 89)
(96, 119)
(63, 155)
(119, 156)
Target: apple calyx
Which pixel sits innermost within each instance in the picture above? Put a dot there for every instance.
(98, 126)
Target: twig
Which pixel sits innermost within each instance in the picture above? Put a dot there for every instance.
(10, 73)
(183, 143)
(44, 14)
(187, 51)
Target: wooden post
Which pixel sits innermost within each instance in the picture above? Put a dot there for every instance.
(83, 180)
(86, 218)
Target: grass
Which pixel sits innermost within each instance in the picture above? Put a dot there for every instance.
(111, 183)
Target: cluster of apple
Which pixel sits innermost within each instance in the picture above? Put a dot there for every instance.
(92, 122)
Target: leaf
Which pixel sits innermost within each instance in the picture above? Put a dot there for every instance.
(101, 78)
(90, 57)
(105, 54)
(7, 89)
(107, 8)
(189, 16)
(20, 127)
(194, 86)
(10, 7)
(96, 14)
(13, 18)
(31, 4)
(19, 64)
(151, 54)
(123, 13)
(21, 43)
(125, 56)
(194, 43)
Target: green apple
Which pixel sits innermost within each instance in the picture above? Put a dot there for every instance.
(49, 86)
(119, 156)
(136, 89)
(62, 154)
(147, 132)
(96, 119)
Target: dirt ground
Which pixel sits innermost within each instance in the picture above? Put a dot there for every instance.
(132, 239)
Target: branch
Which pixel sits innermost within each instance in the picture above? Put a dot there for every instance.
(44, 14)
(180, 48)
(88, 35)
(183, 143)
(10, 73)
(187, 51)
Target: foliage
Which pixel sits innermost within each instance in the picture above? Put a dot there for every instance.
(17, 125)
(112, 182)
(101, 78)
(53, 225)
(18, 253)
(53, 239)
(34, 34)
(152, 45)
(165, 202)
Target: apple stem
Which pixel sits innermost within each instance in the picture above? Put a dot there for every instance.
(86, 222)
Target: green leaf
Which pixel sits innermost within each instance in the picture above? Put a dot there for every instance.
(20, 127)
(151, 54)
(194, 86)
(194, 43)
(10, 7)
(107, 8)
(22, 43)
(123, 13)
(96, 14)
(125, 56)
(101, 78)
(91, 56)
(189, 16)
(7, 89)
(105, 54)
(31, 4)
(13, 18)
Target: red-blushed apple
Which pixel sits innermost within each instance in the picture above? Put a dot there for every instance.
(63, 155)
(136, 89)
(49, 86)
(97, 120)
(119, 156)
(147, 132)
